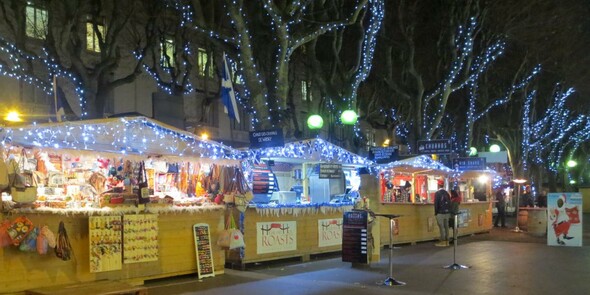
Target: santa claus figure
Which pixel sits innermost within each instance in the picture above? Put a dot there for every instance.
(561, 221)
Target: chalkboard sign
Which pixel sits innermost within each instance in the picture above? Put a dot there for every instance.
(203, 250)
(355, 237)
(330, 171)
(383, 155)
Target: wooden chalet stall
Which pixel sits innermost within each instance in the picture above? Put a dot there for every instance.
(407, 188)
(300, 190)
(92, 176)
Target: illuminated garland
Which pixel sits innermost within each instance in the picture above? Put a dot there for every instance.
(139, 135)
(312, 150)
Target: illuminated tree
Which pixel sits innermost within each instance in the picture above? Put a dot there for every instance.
(87, 45)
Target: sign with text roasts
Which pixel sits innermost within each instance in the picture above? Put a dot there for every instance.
(329, 232)
(383, 155)
(203, 250)
(277, 236)
(355, 237)
(436, 146)
(330, 171)
(266, 138)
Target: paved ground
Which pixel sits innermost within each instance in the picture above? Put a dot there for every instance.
(502, 262)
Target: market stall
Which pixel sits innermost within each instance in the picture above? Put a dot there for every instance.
(407, 188)
(300, 191)
(115, 199)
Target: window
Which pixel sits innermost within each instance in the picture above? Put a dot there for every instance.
(202, 59)
(237, 78)
(92, 39)
(36, 22)
(167, 53)
(306, 94)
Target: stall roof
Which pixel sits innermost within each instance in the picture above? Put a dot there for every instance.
(126, 135)
(417, 164)
(310, 150)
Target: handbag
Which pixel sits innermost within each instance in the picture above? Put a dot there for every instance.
(142, 184)
(231, 237)
(19, 229)
(173, 168)
(19, 190)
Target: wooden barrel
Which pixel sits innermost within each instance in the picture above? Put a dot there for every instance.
(537, 223)
(523, 216)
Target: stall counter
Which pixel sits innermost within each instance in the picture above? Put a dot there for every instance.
(21, 271)
(418, 223)
(287, 232)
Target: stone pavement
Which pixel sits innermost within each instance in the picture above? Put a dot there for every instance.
(502, 262)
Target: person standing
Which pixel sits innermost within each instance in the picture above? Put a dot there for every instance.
(501, 206)
(442, 211)
(542, 199)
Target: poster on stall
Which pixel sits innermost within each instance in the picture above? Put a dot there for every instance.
(329, 232)
(276, 236)
(105, 243)
(140, 238)
(564, 224)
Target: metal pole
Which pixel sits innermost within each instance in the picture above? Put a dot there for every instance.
(390, 281)
(455, 265)
(517, 229)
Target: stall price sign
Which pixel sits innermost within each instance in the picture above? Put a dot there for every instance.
(266, 138)
(437, 146)
(104, 233)
(355, 237)
(383, 155)
(203, 250)
(470, 163)
(330, 171)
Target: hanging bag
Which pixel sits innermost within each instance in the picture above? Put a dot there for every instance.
(4, 181)
(142, 184)
(236, 238)
(19, 229)
(63, 249)
(20, 190)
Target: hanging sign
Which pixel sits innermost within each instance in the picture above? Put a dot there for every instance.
(276, 236)
(266, 138)
(330, 171)
(203, 250)
(329, 232)
(355, 237)
(383, 155)
(564, 224)
(436, 146)
(470, 163)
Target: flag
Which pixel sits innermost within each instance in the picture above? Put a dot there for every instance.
(228, 96)
(60, 107)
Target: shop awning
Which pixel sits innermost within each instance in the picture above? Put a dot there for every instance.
(419, 164)
(311, 150)
(127, 135)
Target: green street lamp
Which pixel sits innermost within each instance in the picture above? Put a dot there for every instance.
(571, 163)
(494, 148)
(315, 122)
(348, 117)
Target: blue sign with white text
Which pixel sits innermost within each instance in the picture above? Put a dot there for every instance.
(266, 138)
(436, 146)
(471, 163)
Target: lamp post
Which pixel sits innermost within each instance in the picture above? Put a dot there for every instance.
(518, 182)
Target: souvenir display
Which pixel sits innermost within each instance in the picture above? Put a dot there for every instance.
(105, 234)
(140, 238)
